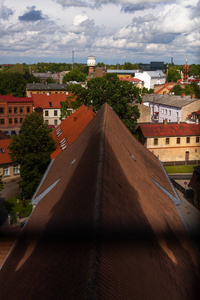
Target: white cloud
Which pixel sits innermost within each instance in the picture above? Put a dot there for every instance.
(79, 19)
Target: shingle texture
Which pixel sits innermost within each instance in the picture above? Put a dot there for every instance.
(43, 100)
(4, 151)
(12, 99)
(161, 130)
(105, 231)
(169, 100)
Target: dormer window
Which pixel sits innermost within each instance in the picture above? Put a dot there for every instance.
(2, 150)
(50, 104)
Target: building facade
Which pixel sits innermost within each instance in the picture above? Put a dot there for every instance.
(172, 142)
(13, 110)
(40, 88)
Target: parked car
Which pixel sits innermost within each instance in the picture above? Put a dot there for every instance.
(13, 132)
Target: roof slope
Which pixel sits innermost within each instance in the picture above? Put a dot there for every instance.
(42, 100)
(105, 230)
(71, 128)
(4, 151)
(169, 100)
(3, 135)
(159, 130)
(12, 99)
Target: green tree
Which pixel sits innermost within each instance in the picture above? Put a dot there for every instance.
(74, 75)
(173, 75)
(177, 89)
(128, 66)
(32, 149)
(122, 96)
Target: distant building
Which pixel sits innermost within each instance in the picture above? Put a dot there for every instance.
(48, 106)
(13, 110)
(172, 142)
(151, 78)
(40, 88)
(171, 108)
(8, 169)
(153, 66)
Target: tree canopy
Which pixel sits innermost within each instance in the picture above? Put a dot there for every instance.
(74, 75)
(32, 149)
(122, 96)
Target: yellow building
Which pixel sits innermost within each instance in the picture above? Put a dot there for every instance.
(40, 88)
(172, 142)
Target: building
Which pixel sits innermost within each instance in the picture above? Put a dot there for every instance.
(106, 225)
(13, 110)
(123, 73)
(137, 82)
(70, 128)
(49, 105)
(8, 169)
(153, 66)
(151, 78)
(40, 88)
(164, 88)
(172, 143)
(194, 184)
(170, 107)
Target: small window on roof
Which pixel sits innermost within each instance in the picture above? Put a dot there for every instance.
(50, 104)
(2, 150)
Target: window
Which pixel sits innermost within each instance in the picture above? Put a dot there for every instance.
(15, 120)
(10, 110)
(21, 110)
(55, 122)
(2, 150)
(188, 140)
(15, 110)
(1, 110)
(167, 141)
(46, 113)
(2, 121)
(10, 120)
(47, 121)
(16, 170)
(50, 104)
(178, 140)
(28, 109)
(155, 141)
(21, 120)
(166, 111)
(197, 139)
(169, 112)
(163, 110)
(177, 114)
(6, 171)
(195, 150)
(55, 113)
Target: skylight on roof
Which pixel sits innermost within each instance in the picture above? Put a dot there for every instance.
(59, 132)
(50, 104)
(63, 144)
(2, 150)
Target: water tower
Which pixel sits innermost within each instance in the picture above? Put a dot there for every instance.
(91, 63)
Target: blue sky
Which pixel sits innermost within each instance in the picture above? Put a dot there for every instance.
(115, 31)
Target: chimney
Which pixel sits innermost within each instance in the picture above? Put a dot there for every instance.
(91, 107)
(75, 118)
(178, 120)
(165, 122)
(192, 96)
(182, 95)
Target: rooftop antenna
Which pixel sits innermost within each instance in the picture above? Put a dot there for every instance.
(72, 59)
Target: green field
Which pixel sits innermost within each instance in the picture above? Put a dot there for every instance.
(180, 169)
(15, 204)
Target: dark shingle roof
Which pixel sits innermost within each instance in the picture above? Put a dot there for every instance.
(107, 228)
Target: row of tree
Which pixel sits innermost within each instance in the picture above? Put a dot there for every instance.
(189, 89)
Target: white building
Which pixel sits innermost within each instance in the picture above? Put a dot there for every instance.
(151, 78)
(171, 108)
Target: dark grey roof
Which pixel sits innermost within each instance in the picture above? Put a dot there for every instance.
(48, 87)
(122, 71)
(176, 101)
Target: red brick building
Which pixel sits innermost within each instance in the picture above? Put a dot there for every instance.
(13, 110)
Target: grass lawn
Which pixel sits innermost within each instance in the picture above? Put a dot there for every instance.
(180, 169)
(14, 204)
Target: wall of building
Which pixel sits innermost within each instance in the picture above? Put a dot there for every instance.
(188, 109)
(145, 114)
(14, 113)
(173, 151)
(9, 171)
(52, 116)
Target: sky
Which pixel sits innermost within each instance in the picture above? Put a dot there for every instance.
(114, 31)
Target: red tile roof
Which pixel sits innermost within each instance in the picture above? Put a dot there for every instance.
(42, 100)
(4, 156)
(151, 130)
(71, 128)
(105, 230)
(3, 135)
(130, 79)
(12, 99)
